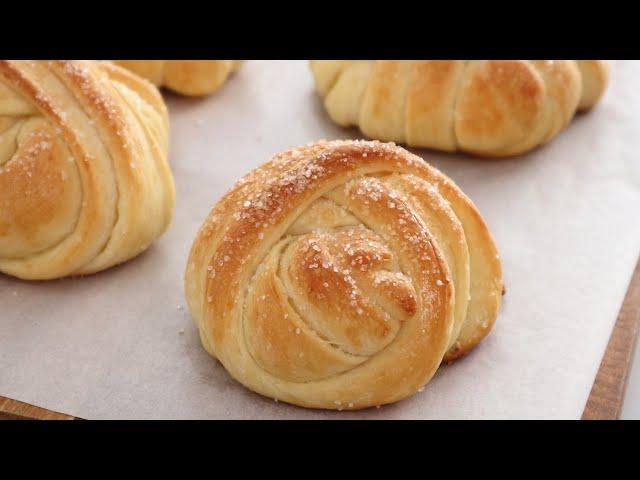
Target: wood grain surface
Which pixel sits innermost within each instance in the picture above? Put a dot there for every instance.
(15, 410)
(607, 394)
(604, 403)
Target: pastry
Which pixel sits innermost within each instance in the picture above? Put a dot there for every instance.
(84, 178)
(188, 77)
(485, 107)
(340, 274)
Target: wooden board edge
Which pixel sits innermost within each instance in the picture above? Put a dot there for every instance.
(607, 394)
(15, 410)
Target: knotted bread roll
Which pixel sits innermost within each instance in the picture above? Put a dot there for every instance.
(339, 275)
(84, 178)
(188, 77)
(488, 107)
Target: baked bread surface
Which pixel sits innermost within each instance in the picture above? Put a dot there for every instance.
(84, 178)
(484, 107)
(187, 77)
(340, 274)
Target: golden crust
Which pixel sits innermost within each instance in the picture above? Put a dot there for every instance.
(84, 179)
(329, 277)
(485, 107)
(595, 77)
(187, 77)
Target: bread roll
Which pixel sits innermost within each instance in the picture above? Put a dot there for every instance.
(187, 77)
(485, 107)
(340, 274)
(84, 178)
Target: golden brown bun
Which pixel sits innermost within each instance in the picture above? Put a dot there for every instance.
(188, 77)
(485, 107)
(84, 178)
(339, 274)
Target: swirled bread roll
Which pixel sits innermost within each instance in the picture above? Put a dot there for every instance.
(488, 107)
(84, 178)
(188, 77)
(339, 275)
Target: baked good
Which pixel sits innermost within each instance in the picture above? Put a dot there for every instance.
(84, 178)
(188, 77)
(485, 107)
(339, 275)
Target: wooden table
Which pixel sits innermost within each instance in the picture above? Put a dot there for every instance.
(604, 403)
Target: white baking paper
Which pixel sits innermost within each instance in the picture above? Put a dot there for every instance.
(121, 344)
